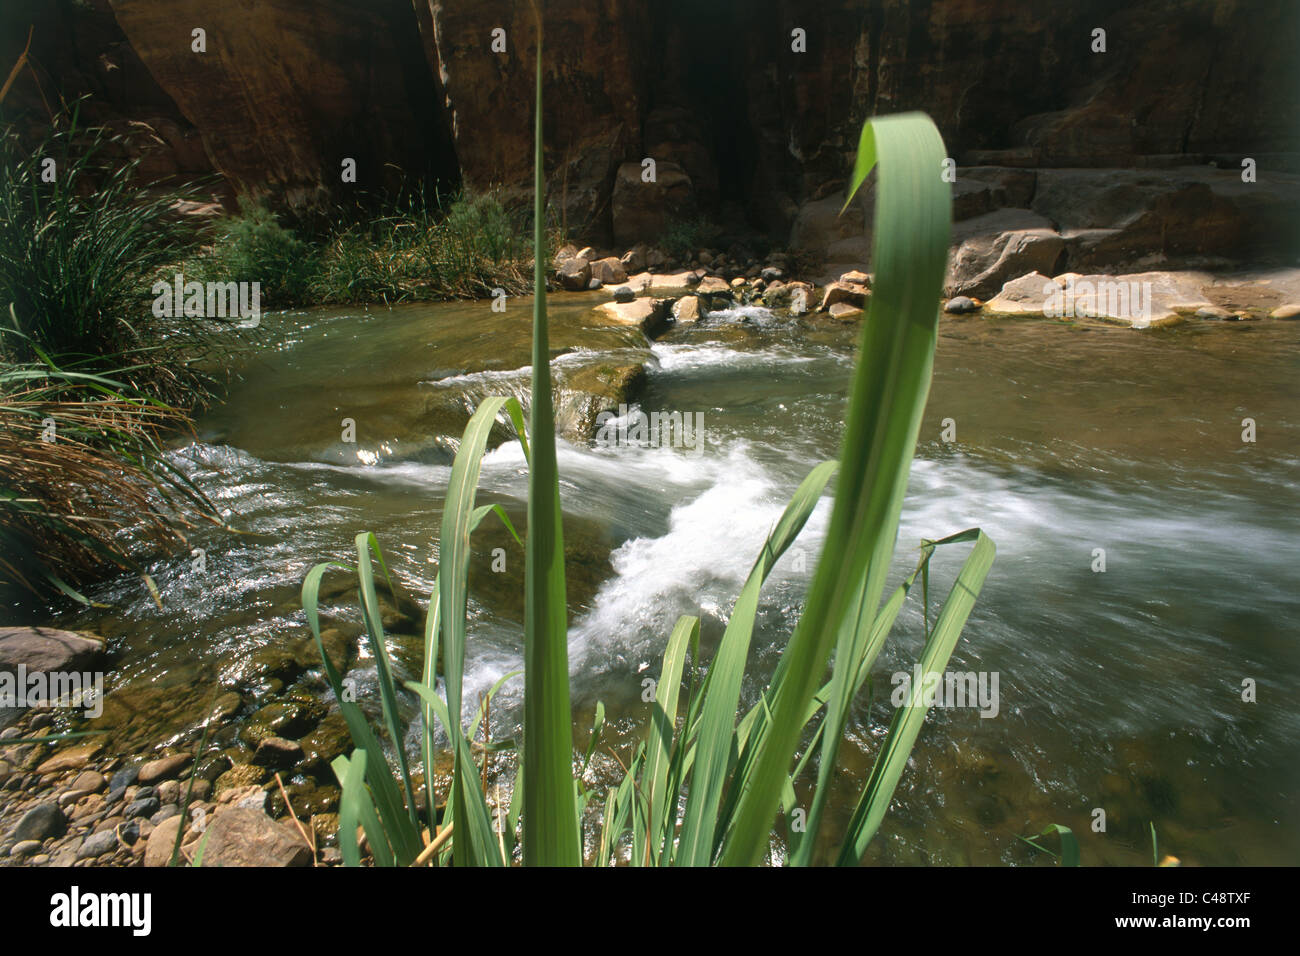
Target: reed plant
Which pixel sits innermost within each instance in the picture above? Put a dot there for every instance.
(710, 781)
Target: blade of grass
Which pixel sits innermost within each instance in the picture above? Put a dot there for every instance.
(550, 818)
(890, 386)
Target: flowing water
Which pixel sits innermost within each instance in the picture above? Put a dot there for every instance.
(1119, 689)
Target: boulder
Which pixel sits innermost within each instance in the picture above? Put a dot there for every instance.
(574, 274)
(44, 649)
(608, 270)
(652, 316)
(999, 246)
(843, 293)
(247, 837)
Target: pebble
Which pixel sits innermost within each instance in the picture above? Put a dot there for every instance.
(163, 768)
(97, 844)
(142, 808)
(959, 304)
(25, 847)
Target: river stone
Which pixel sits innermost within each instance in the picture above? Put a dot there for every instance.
(1289, 311)
(844, 311)
(71, 758)
(652, 316)
(687, 309)
(158, 848)
(164, 813)
(91, 781)
(1215, 313)
(245, 837)
(44, 649)
(623, 294)
(277, 753)
(97, 844)
(846, 293)
(608, 270)
(124, 778)
(25, 848)
(143, 807)
(240, 775)
(41, 822)
(164, 768)
(5, 771)
(329, 740)
(960, 304)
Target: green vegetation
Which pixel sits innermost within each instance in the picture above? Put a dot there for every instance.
(91, 382)
(682, 237)
(418, 250)
(735, 775)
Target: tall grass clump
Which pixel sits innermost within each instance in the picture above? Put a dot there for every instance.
(710, 781)
(81, 245)
(84, 481)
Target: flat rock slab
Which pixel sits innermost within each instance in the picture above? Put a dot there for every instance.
(1139, 299)
(45, 649)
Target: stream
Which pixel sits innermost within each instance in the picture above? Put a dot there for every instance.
(1119, 690)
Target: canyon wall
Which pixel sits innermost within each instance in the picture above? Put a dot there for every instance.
(750, 108)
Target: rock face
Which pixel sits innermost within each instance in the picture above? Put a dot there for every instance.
(742, 122)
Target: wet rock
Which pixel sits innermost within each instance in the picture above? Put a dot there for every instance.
(686, 309)
(329, 740)
(212, 766)
(124, 778)
(238, 776)
(960, 304)
(6, 771)
(1214, 313)
(164, 768)
(623, 294)
(43, 649)
(71, 758)
(1289, 311)
(288, 718)
(844, 312)
(277, 753)
(243, 837)
(97, 844)
(169, 791)
(652, 316)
